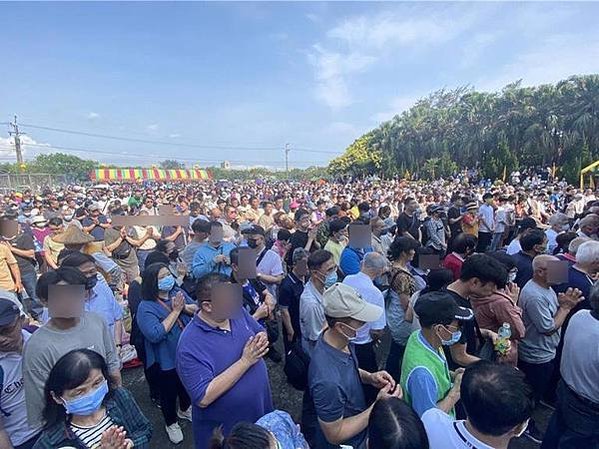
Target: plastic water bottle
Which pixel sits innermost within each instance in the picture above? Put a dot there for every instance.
(504, 333)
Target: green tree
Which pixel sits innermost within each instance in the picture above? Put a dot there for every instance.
(172, 164)
(515, 127)
(62, 164)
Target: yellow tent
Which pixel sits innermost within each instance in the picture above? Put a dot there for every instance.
(587, 169)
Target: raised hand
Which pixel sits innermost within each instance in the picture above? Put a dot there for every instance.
(255, 348)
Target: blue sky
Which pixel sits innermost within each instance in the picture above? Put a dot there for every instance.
(255, 76)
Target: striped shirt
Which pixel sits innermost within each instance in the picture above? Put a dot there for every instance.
(91, 436)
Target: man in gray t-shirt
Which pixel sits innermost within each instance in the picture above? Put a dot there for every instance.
(48, 344)
(543, 313)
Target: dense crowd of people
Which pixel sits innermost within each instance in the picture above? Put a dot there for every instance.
(411, 315)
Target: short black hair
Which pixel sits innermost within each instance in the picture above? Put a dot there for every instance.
(200, 225)
(437, 279)
(402, 245)
(70, 275)
(332, 211)
(206, 283)
(563, 241)
(504, 259)
(55, 221)
(242, 436)
(161, 245)
(393, 424)
(531, 238)
(464, 242)
(156, 257)
(318, 258)
(364, 206)
(484, 268)
(283, 234)
(300, 213)
(496, 397)
(337, 225)
(487, 195)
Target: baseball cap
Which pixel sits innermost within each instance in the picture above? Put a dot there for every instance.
(9, 311)
(93, 206)
(343, 301)
(440, 308)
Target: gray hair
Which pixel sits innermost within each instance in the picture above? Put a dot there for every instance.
(588, 252)
(558, 218)
(575, 244)
(299, 254)
(374, 261)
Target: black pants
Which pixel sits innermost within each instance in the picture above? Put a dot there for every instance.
(574, 424)
(29, 443)
(171, 388)
(394, 359)
(153, 378)
(484, 241)
(367, 361)
(538, 376)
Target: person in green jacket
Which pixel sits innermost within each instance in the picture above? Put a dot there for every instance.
(425, 377)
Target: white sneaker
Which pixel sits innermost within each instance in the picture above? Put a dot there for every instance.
(185, 414)
(174, 433)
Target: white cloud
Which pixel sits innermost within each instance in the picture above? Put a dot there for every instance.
(29, 147)
(174, 135)
(554, 59)
(93, 115)
(331, 71)
(152, 127)
(356, 44)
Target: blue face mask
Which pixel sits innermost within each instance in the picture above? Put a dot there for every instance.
(330, 279)
(455, 337)
(87, 404)
(166, 284)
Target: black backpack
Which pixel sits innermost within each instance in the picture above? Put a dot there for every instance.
(296, 367)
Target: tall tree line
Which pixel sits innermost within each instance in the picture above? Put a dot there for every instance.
(515, 128)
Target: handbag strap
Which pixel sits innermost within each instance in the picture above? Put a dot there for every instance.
(169, 310)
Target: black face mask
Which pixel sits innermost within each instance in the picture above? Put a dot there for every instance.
(174, 255)
(91, 282)
(253, 243)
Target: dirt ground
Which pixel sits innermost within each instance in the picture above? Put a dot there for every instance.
(284, 397)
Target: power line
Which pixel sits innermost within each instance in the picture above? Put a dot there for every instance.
(185, 145)
(124, 154)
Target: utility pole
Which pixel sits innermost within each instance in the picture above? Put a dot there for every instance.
(287, 150)
(15, 132)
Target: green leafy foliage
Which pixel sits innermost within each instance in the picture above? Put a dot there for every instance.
(516, 127)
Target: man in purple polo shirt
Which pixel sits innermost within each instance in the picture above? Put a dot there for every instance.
(220, 361)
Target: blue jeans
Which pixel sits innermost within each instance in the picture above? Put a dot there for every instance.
(29, 299)
(496, 242)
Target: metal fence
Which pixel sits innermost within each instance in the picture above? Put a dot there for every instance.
(33, 181)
